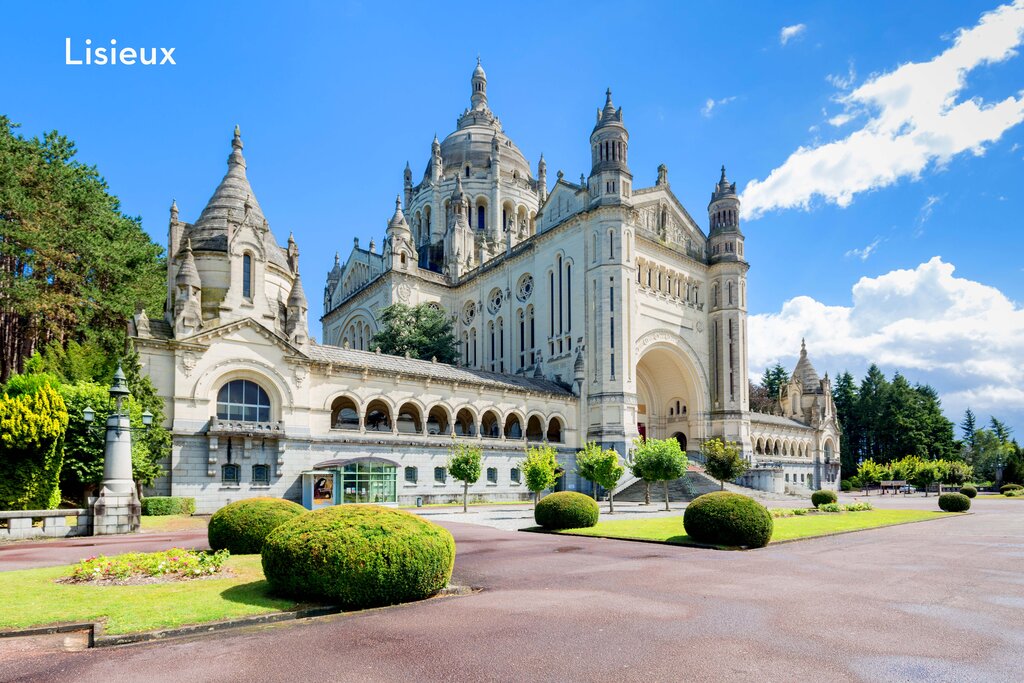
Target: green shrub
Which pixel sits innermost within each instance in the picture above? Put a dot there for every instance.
(954, 502)
(969, 491)
(782, 512)
(830, 507)
(725, 518)
(1015, 493)
(799, 511)
(168, 505)
(243, 526)
(846, 485)
(357, 556)
(1010, 487)
(858, 507)
(32, 425)
(823, 497)
(566, 510)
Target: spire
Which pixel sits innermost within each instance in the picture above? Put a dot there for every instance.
(187, 273)
(337, 260)
(542, 165)
(174, 210)
(297, 296)
(457, 195)
(398, 219)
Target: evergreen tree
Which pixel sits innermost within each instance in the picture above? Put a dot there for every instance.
(1000, 429)
(968, 427)
(72, 266)
(844, 395)
(421, 331)
(870, 411)
(773, 379)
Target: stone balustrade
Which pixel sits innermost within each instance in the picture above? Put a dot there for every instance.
(16, 524)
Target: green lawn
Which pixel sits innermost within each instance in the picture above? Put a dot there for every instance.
(31, 598)
(165, 523)
(670, 529)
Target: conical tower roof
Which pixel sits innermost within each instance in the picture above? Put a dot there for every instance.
(187, 273)
(233, 199)
(297, 297)
(806, 373)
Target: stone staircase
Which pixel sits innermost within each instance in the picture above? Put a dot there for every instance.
(686, 488)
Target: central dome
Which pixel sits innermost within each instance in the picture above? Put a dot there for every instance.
(472, 142)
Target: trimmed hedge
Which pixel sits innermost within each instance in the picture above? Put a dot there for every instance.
(726, 518)
(168, 505)
(1010, 487)
(954, 502)
(358, 556)
(969, 491)
(566, 510)
(243, 526)
(823, 497)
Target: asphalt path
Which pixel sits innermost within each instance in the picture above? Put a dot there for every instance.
(936, 601)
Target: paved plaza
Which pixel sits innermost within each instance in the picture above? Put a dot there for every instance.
(935, 601)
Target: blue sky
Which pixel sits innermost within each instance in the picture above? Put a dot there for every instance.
(890, 236)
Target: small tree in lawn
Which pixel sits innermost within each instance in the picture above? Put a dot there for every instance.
(926, 473)
(636, 468)
(956, 472)
(540, 469)
(661, 460)
(586, 462)
(607, 472)
(723, 461)
(464, 465)
(869, 472)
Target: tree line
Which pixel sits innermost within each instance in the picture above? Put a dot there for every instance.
(73, 267)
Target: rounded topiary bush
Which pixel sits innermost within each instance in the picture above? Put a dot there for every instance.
(846, 485)
(823, 497)
(1010, 487)
(954, 502)
(566, 510)
(969, 491)
(725, 518)
(357, 556)
(242, 526)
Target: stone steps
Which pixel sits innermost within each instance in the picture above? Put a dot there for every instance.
(684, 489)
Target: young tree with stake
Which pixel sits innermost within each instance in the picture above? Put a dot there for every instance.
(464, 465)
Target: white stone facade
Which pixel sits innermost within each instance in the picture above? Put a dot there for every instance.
(596, 311)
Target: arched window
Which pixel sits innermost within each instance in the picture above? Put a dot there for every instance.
(481, 217)
(513, 428)
(247, 276)
(409, 419)
(378, 417)
(242, 399)
(490, 427)
(555, 430)
(261, 474)
(437, 421)
(344, 414)
(534, 429)
(465, 425)
(230, 474)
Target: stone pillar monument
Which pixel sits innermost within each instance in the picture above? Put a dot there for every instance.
(117, 509)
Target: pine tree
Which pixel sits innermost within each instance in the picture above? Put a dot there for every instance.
(844, 394)
(870, 411)
(968, 427)
(1000, 429)
(773, 379)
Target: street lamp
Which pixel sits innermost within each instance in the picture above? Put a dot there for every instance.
(119, 392)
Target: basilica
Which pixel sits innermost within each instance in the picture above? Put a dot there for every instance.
(594, 309)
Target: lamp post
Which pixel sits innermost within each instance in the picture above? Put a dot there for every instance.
(117, 509)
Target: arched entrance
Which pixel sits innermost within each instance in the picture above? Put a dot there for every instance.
(671, 394)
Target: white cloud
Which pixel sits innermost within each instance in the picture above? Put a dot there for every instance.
(914, 121)
(789, 33)
(925, 213)
(958, 335)
(843, 82)
(864, 252)
(710, 104)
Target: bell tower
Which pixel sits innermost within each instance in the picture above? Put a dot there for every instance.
(610, 181)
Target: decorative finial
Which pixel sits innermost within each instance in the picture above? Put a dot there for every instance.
(803, 346)
(188, 245)
(236, 142)
(478, 59)
(723, 173)
(398, 203)
(337, 259)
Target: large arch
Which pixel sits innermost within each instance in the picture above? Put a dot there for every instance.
(667, 371)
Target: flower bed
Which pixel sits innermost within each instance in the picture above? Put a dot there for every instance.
(168, 565)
